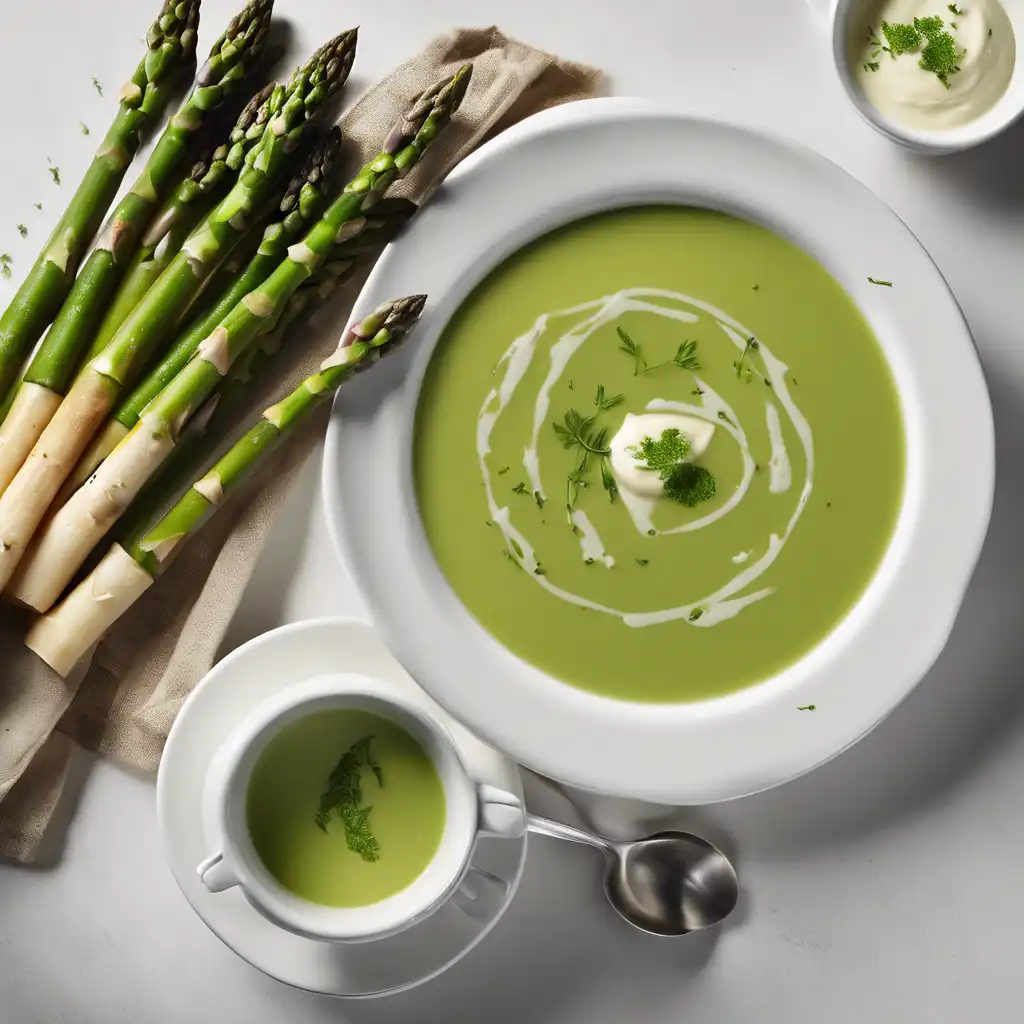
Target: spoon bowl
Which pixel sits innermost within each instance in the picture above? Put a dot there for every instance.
(671, 883)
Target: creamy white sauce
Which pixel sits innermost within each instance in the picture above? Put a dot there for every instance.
(726, 601)
(631, 473)
(902, 90)
(778, 465)
(591, 545)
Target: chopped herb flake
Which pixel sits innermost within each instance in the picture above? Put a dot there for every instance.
(96, 85)
(23, 231)
(5, 265)
(84, 128)
(503, 470)
(695, 614)
(642, 561)
(54, 172)
(884, 284)
(520, 488)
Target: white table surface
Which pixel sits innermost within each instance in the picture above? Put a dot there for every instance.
(887, 886)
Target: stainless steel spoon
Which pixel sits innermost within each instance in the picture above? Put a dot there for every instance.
(671, 883)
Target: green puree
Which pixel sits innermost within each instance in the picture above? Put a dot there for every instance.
(407, 816)
(837, 378)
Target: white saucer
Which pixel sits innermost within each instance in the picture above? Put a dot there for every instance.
(242, 680)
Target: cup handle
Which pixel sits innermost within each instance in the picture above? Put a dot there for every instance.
(216, 875)
(480, 894)
(500, 813)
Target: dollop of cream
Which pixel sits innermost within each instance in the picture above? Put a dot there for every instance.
(631, 473)
(900, 89)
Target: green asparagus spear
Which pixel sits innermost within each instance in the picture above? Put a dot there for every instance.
(63, 635)
(171, 43)
(191, 202)
(66, 540)
(213, 421)
(302, 204)
(95, 391)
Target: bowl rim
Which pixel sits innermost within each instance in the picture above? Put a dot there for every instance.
(745, 742)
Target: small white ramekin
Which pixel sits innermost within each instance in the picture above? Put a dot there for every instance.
(846, 16)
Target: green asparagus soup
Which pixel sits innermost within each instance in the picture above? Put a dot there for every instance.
(659, 453)
(345, 808)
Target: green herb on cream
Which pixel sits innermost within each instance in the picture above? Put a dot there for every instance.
(884, 284)
(96, 85)
(683, 482)
(344, 797)
(23, 231)
(5, 265)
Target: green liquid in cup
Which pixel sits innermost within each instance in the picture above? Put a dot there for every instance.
(405, 821)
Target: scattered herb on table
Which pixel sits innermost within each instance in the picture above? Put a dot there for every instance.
(5, 265)
(96, 85)
(953, 9)
(54, 171)
(344, 798)
(884, 284)
(23, 231)
(84, 128)
(808, 707)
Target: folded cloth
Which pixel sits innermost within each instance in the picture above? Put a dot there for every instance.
(123, 703)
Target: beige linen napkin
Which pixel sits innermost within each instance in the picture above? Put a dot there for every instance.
(123, 704)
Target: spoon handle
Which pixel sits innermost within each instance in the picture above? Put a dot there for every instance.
(559, 830)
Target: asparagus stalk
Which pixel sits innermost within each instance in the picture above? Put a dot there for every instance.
(66, 540)
(302, 205)
(191, 202)
(65, 634)
(98, 386)
(171, 44)
(216, 417)
(52, 367)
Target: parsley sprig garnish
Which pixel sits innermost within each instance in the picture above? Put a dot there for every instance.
(344, 797)
(581, 434)
(685, 357)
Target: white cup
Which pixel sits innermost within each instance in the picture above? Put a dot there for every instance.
(473, 809)
(846, 16)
